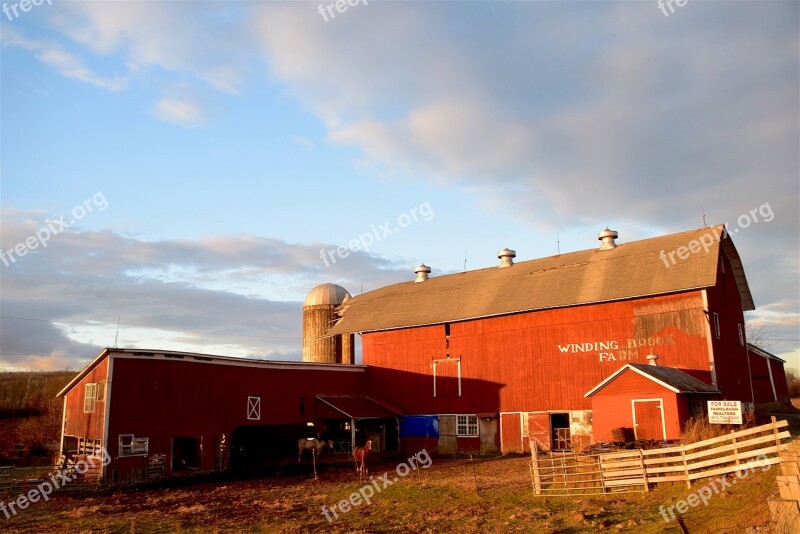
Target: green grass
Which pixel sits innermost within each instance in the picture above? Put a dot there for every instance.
(442, 499)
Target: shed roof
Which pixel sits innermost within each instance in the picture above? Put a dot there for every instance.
(764, 354)
(636, 269)
(172, 355)
(360, 406)
(671, 378)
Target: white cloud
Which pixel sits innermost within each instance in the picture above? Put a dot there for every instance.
(178, 111)
(65, 62)
(236, 295)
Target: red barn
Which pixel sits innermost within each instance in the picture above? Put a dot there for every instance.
(474, 362)
(526, 340)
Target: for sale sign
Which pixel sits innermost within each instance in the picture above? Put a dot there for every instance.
(725, 412)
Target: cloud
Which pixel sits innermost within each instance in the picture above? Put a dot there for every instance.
(65, 62)
(237, 295)
(178, 111)
(200, 39)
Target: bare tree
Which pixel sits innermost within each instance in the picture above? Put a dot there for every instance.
(758, 332)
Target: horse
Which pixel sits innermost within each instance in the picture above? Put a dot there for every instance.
(360, 457)
(313, 444)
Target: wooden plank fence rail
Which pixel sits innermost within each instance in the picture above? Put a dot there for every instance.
(635, 470)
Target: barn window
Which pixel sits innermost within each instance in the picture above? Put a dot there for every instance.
(447, 378)
(130, 445)
(716, 325)
(741, 335)
(89, 398)
(254, 408)
(467, 425)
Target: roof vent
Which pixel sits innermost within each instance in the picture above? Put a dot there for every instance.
(506, 257)
(652, 359)
(422, 273)
(608, 238)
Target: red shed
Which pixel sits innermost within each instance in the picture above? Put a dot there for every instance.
(654, 401)
(768, 375)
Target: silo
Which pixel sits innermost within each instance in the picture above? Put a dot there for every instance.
(318, 317)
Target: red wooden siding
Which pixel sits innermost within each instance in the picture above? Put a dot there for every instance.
(649, 418)
(537, 361)
(161, 399)
(730, 355)
(539, 430)
(89, 426)
(510, 433)
(759, 370)
(779, 375)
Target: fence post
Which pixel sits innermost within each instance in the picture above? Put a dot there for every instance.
(685, 466)
(735, 452)
(537, 479)
(644, 471)
(775, 433)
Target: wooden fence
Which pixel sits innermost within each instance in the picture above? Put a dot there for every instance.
(58, 477)
(635, 470)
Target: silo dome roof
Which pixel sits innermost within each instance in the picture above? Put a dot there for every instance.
(326, 294)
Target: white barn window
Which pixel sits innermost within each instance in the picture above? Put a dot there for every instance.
(89, 397)
(467, 425)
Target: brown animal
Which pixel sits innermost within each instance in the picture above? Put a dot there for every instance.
(313, 444)
(360, 455)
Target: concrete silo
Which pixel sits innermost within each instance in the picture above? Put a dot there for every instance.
(318, 317)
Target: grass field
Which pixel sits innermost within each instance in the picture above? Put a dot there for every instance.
(452, 495)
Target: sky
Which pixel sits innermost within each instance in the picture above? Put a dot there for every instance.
(172, 173)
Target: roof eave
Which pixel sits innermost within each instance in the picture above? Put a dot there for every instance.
(82, 374)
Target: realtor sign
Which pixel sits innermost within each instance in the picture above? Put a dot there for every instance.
(725, 412)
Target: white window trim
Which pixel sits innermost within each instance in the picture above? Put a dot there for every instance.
(467, 424)
(90, 397)
(253, 408)
(458, 370)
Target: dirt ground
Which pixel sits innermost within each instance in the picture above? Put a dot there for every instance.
(452, 495)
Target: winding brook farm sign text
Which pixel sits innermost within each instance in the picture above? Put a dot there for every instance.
(614, 350)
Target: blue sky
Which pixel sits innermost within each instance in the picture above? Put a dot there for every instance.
(231, 142)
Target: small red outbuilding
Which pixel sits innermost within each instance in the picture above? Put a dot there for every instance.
(654, 401)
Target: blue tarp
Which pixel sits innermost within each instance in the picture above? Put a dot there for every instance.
(419, 426)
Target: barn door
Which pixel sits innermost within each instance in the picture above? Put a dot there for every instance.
(488, 433)
(447, 434)
(648, 419)
(539, 430)
(510, 433)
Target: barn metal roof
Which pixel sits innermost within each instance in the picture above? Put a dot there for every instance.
(204, 358)
(671, 378)
(635, 269)
(360, 406)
